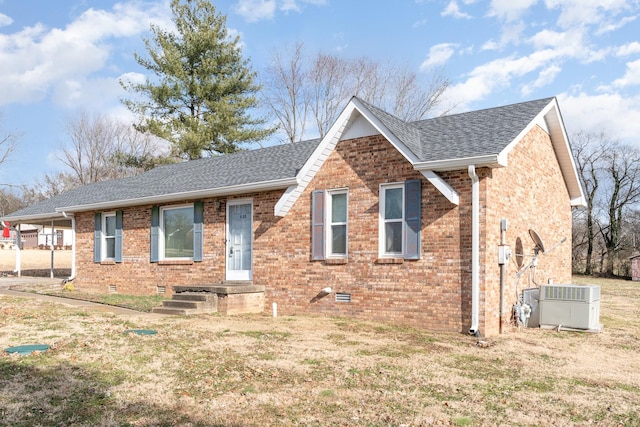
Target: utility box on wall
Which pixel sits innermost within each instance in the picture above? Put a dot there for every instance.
(571, 306)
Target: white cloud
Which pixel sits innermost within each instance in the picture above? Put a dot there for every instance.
(258, 10)
(616, 114)
(545, 78)
(38, 61)
(631, 77)
(5, 20)
(510, 10)
(452, 9)
(586, 12)
(255, 10)
(438, 55)
(628, 49)
(615, 25)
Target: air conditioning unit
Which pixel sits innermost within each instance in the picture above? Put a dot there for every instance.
(570, 306)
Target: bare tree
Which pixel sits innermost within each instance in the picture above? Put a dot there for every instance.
(589, 151)
(7, 144)
(622, 168)
(301, 91)
(97, 145)
(288, 98)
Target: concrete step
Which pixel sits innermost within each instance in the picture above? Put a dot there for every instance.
(194, 305)
(173, 311)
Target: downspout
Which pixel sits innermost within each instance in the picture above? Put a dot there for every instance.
(73, 246)
(475, 251)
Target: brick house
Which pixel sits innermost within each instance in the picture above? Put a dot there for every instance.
(402, 221)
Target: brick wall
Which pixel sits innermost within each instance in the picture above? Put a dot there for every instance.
(433, 292)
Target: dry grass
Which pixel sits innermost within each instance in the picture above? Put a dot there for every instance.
(36, 262)
(256, 371)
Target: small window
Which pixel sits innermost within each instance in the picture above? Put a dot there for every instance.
(392, 218)
(337, 202)
(109, 236)
(400, 220)
(176, 228)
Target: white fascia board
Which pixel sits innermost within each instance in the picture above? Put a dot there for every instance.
(316, 160)
(579, 202)
(442, 186)
(491, 161)
(37, 217)
(550, 120)
(212, 192)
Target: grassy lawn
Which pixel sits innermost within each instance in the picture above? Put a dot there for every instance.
(289, 371)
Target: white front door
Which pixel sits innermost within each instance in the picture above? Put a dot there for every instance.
(239, 240)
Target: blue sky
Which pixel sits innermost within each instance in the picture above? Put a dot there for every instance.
(58, 58)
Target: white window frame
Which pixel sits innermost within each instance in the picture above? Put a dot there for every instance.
(162, 240)
(104, 236)
(382, 220)
(328, 238)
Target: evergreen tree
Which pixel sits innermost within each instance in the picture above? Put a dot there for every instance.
(204, 89)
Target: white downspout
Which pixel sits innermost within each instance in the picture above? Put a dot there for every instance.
(475, 250)
(73, 246)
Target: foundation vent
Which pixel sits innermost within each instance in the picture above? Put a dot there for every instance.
(161, 290)
(342, 297)
(113, 289)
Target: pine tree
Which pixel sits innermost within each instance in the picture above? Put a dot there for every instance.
(204, 89)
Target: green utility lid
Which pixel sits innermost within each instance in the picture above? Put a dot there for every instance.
(141, 331)
(27, 349)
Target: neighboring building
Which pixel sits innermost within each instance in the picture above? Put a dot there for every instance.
(401, 220)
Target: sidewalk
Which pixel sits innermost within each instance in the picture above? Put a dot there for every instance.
(7, 283)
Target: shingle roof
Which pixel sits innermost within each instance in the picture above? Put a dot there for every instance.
(457, 136)
(476, 133)
(243, 168)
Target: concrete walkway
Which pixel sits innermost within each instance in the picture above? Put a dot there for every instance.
(8, 285)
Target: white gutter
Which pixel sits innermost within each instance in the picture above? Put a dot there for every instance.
(475, 250)
(210, 192)
(490, 160)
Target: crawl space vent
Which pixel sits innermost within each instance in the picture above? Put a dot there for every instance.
(112, 289)
(342, 297)
(161, 290)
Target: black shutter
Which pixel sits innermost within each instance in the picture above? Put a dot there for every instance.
(118, 242)
(317, 225)
(97, 237)
(412, 218)
(198, 219)
(154, 253)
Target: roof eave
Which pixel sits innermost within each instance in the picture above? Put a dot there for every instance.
(490, 161)
(35, 217)
(277, 184)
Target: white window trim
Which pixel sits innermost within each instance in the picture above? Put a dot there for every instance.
(328, 238)
(103, 236)
(161, 243)
(381, 224)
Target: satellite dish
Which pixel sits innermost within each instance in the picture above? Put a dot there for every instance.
(519, 253)
(537, 240)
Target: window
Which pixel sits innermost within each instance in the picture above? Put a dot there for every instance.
(392, 206)
(176, 232)
(400, 217)
(176, 228)
(108, 237)
(329, 219)
(337, 202)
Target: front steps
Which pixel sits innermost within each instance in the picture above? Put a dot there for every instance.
(225, 298)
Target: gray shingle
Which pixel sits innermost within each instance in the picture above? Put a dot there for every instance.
(476, 133)
(246, 167)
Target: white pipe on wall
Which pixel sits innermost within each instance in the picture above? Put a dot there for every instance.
(475, 250)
